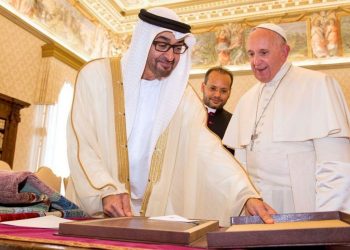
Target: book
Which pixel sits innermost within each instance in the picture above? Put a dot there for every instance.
(295, 229)
(140, 229)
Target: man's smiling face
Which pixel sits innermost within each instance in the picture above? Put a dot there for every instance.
(267, 52)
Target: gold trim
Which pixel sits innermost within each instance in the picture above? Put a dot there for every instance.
(120, 123)
(78, 142)
(83, 10)
(64, 55)
(121, 139)
(155, 169)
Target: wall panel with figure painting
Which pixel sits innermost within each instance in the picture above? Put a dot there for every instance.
(66, 23)
(316, 35)
(325, 34)
(345, 34)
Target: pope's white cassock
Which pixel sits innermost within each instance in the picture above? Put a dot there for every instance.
(297, 151)
(195, 176)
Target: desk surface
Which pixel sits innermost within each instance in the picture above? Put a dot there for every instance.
(12, 237)
(17, 245)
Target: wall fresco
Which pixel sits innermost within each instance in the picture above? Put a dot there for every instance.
(345, 34)
(68, 24)
(315, 37)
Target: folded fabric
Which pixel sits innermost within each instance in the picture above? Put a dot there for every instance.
(20, 216)
(23, 192)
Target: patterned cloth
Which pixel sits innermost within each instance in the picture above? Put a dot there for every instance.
(23, 192)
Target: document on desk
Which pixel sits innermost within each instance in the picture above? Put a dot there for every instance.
(173, 217)
(49, 221)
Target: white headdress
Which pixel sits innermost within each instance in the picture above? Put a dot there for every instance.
(133, 64)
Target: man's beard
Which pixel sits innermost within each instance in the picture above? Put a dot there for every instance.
(220, 106)
(161, 72)
(164, 73)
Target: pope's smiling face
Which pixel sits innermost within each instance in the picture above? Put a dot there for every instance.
(267, 52)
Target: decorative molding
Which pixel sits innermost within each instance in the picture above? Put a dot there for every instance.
(62, 54)
(51, 48)
(119, 17)
(24, 25)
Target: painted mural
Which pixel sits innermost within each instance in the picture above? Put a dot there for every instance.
(67, 24)
(297, 40)
(345, 34)
(316, 37)
(325, 34)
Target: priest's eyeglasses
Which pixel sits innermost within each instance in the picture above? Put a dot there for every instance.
(164, 47)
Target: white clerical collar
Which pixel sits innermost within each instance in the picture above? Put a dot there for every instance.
(283, 70)
(210, 109)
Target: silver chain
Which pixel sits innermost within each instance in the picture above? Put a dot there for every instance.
(254, 135)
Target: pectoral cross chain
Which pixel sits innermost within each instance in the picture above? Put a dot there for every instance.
(253, 137)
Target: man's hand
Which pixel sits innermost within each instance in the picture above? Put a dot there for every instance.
(258, 207)
(117, 205)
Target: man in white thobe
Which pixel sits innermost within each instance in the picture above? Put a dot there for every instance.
(291, 130)
(159, 158)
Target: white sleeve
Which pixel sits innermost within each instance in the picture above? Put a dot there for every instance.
(86, 142)
(332, 174)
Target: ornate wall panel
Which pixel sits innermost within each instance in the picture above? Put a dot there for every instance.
(53, 74)
(23, 75)
(20, 59)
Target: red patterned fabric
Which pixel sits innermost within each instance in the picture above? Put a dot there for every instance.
(8, 217)
(49, 236)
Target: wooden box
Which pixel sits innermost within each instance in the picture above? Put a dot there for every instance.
(298, 229)
(139, 229)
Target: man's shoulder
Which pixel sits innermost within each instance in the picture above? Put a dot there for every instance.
(95, 64)
(226, 113)
(97, 70)
(310, 79)
(191, 98)
(304, 72)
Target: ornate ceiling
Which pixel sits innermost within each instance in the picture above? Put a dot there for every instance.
(119, 16)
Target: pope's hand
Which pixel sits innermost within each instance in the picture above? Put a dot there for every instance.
(117, 205)
(258, 207)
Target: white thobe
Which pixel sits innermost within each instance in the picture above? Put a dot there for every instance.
(198, 178)
(295, 169)
(139, 141)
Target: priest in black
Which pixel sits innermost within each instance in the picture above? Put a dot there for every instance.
(216, 90)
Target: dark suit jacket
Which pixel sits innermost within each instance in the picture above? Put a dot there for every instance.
(218, 122)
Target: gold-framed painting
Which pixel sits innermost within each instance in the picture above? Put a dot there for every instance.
(297, 39)
(345, 34)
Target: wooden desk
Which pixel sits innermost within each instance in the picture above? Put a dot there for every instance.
(16, 245)
(51, 242)
(12, 237)
(19, 245)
